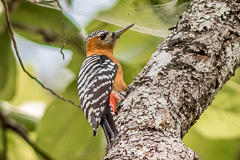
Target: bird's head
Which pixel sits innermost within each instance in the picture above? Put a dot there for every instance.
(103, 40)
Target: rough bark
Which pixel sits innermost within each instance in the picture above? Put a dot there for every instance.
(179, 83)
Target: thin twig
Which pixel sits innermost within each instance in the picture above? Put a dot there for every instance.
(62, 20)
(20, 60)
(63, 28)
(7, 123)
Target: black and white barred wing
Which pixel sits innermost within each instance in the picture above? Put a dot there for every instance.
(95, 83)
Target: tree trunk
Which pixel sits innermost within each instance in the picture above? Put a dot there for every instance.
(179, 82)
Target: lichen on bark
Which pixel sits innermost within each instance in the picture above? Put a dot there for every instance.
(179, 82)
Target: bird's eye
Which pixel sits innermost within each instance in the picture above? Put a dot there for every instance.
(103, 36)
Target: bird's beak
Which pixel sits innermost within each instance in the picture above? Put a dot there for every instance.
(119, 32)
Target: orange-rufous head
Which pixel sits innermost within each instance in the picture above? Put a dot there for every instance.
(103, 40)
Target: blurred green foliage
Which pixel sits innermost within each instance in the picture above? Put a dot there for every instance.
(151, 17)
(7, 67)
(63, 132)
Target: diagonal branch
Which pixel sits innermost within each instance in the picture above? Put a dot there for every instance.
(20, 60)
(7, 123)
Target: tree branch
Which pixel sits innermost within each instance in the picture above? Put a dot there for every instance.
(7, 123)
(179, 83)
(20, 60)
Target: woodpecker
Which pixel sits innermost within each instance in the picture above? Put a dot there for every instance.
(100, 81)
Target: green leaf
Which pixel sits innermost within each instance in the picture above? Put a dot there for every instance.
(7, 68)
(150, 17)
(18, 149)
(25, 93)
(211, 149)
(66, 134)
(219, 124)
(26, 120)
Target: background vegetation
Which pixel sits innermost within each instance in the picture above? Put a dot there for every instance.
(62, 131)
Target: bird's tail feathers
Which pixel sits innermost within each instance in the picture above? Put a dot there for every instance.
(108, 125)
